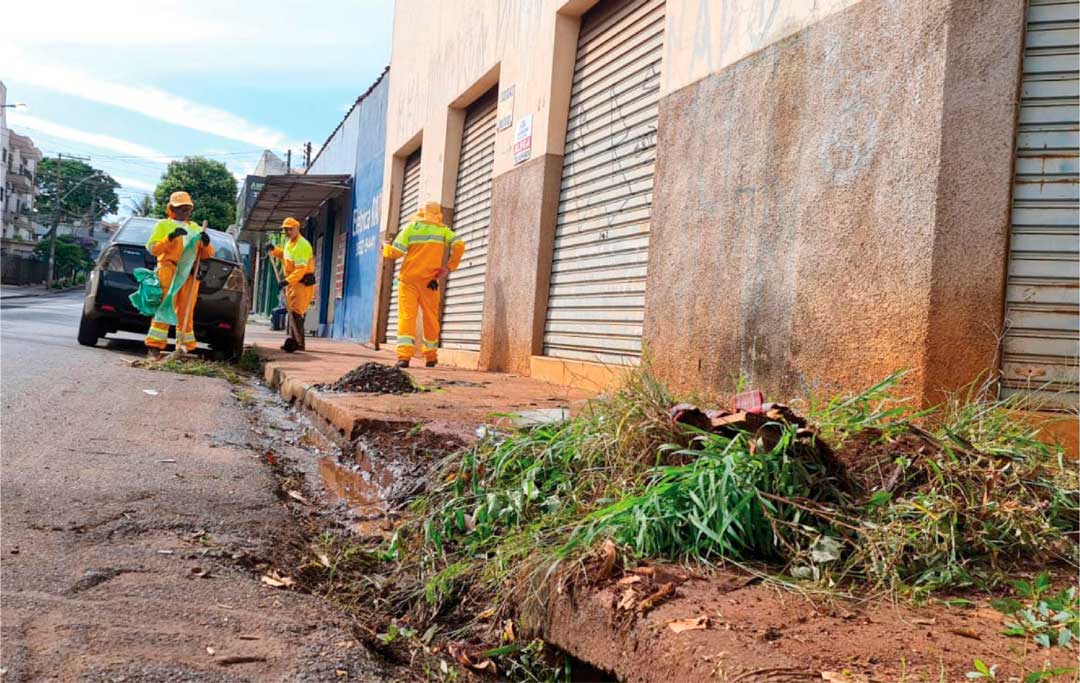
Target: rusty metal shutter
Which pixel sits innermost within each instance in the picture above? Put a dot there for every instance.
(464, 305)
(1042, 334)
(407, 208)
(596, 301)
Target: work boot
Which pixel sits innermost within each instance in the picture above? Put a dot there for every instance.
(431, 362)
(401, 364)
(153, 354)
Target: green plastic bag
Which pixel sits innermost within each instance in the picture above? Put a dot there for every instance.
(147, 297)
(166, 312)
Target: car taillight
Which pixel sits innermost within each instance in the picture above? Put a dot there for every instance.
(235, 281)
(113, 261)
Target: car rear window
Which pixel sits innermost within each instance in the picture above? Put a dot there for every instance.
(137, 230)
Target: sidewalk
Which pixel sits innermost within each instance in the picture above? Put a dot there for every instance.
(26, 291)
(460, 400)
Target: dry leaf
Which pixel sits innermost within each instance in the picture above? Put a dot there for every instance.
(508, 631)
(296, 495)
(240, 659)
(694, 624)
(643, 571)
(925, 622)
(276, 580)
(323, 559)
(249, 637)
(200, 573)
(629, 580)
(486, 614)
(966, 632)
(842, 677)
(470, 660)
(210, 651)
(628, 599)
(608, 557)
(661, 594)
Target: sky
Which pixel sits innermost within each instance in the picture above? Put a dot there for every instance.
(133, 84)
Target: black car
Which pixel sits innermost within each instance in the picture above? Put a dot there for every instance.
(222, 308)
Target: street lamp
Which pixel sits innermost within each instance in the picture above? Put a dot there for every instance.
(17, 105)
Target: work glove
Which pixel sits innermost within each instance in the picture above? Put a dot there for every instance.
(283, 284)
(433, 285)
(308, 279)
(179, 232)
(270, 249)
(205, 237)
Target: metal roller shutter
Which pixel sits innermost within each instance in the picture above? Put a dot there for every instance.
(409, 205)
(464, 303)
(596, 302)
(1042, 341)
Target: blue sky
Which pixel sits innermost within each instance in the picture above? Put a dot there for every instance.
(134, 83)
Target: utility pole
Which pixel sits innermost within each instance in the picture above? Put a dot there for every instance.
(58, 194)
(307, 156)
(288, 161)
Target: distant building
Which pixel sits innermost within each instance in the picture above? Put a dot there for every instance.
(19, 159)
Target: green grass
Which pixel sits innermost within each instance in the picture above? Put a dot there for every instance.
(981, 497)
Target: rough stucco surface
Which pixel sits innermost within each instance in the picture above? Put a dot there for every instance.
(796, 198)
(974, 183)
(523, 205)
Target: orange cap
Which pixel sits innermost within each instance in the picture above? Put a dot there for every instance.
(180, 199)
(290, 222)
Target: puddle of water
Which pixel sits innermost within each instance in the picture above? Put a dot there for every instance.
(364, 496)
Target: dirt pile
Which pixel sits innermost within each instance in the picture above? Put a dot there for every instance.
(372, 378)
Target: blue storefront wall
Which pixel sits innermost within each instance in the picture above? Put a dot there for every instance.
(352, 318)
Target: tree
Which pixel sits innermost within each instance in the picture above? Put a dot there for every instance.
(88, 193)
(144, 206)
(211, 186)
(71, 256)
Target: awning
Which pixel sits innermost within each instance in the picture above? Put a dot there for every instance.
(298, 196)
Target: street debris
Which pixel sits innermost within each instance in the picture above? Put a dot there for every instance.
(150, 392)
(693, 624)
(372, 378)
(276, 580)
(240, 659)
(471, 657)
(199, 573)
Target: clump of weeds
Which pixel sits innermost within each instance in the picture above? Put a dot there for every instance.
(957, 495)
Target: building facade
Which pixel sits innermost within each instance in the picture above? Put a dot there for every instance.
(807, 195)
(19, 158)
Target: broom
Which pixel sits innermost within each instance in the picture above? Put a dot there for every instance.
(290, 344)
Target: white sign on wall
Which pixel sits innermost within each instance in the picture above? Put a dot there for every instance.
(506, 109)
(522, 149)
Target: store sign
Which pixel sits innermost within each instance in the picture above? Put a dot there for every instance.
(522, 149)
(506, 109)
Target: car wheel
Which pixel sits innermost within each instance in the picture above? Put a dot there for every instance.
(88, 331)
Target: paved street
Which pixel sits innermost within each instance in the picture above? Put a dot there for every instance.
(111, 500)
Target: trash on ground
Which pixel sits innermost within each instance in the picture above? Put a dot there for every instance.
(372, 378)
(150, 392)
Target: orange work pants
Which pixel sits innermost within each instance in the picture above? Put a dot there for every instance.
(410, 296)
(158, 336)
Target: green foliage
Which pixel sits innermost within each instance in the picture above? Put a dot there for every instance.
(211, 186)
(982, 671)
(197, 368)
(143, 206)
(71, 256)
(249, 361)
(1050, 620)
(86, 193)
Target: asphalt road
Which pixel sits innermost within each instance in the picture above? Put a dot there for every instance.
(113, 501)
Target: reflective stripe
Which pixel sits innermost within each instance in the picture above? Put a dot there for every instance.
(405, 341)
(431, 345)
(426, 239)
(400, 246)
(155, 333)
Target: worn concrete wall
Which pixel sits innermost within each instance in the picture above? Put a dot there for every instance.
(519, 264)
(805, 216)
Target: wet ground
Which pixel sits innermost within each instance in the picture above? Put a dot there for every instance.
(136, 524)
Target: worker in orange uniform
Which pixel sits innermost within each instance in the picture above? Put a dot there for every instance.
(431, 251)
(299, 282)
(167, 244)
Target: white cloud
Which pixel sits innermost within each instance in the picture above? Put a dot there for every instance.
(17, 119)
(148, 101)
(134, 184)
